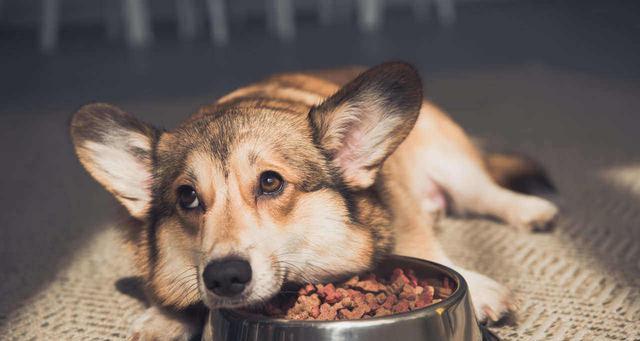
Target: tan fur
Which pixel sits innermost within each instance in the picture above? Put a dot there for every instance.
(395, 168)
(504, 168)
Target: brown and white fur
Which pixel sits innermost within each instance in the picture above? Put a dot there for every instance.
(366, 165)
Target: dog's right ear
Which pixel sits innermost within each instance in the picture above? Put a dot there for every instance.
(116, 149)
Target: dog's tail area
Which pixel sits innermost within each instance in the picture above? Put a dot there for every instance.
(519, 173)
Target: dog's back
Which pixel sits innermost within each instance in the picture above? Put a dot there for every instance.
(295, 92)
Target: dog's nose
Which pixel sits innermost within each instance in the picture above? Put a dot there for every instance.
(227, 277)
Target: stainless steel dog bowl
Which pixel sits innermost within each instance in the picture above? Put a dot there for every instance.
(450, 319)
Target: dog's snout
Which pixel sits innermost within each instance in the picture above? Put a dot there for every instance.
(227, 277)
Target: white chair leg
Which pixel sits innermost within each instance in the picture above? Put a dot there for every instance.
(49, 25)
(343, 11)
(446, 11)
(138, 23)
(326, 11)
(370, 14)
(421, 9)
(218, 26)
(186, 19)
(270, 16)
(112, 19)
(281, 18)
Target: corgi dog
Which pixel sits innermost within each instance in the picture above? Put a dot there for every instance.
(302, 176)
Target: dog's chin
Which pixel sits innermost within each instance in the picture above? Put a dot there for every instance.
(243, 301)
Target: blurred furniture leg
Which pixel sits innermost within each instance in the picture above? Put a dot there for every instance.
(343, 11)
(421, 9)
(326, 11)
(370, 14)
(112, 19)
(281, 18)
(187, 19)
(218, 26)
(49, 25)
(446, 11)
(138, 25)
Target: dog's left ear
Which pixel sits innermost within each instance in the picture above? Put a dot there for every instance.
(366, 120)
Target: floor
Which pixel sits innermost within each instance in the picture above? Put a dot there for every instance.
(557, 80)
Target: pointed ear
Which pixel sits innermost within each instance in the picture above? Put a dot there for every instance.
(366, 120)
(116, 149)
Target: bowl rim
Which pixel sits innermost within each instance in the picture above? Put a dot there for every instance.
(436, 308)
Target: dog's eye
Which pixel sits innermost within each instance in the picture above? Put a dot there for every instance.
(188, 197)
(271, 182)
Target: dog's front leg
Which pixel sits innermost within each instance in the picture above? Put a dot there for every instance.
(157, 323)
(416, 238)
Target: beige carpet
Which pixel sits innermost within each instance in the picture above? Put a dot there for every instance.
(580, 282)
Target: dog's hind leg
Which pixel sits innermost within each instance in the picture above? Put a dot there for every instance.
(441, 151)
(414, 223)
(438, 159)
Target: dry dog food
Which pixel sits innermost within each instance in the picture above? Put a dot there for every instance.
(361, 297)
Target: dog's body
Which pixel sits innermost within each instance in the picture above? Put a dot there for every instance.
(301, 177)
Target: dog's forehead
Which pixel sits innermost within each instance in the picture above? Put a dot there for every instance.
(261, 127)
(250, 135)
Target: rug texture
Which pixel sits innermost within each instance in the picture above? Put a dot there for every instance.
(578, 282)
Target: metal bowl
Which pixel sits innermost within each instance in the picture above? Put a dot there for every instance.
(450, 319)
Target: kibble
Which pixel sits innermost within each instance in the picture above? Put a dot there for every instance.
(361, 297)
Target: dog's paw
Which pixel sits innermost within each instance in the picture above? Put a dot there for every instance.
(491, 300)
(533, 214)
(154, 324)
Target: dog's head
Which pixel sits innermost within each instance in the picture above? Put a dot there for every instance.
(239, 200)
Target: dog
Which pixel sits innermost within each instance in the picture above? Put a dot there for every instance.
(302, 176)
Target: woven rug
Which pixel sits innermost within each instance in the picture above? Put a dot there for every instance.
(579, 282)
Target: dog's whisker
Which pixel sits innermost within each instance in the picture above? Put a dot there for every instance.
(190, 290)
(184, 275)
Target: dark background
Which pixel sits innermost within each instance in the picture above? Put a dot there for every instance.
(558, 79)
